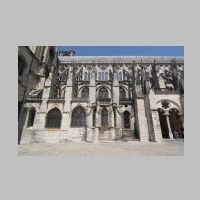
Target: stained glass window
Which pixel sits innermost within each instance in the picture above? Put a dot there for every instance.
(122, 93)
(103, 93)
(53, 119)
(120, 76)
(78, 117)
(85, 92)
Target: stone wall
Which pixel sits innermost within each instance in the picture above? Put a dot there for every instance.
(144, 118)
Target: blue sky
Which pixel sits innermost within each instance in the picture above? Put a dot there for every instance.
(126, 50)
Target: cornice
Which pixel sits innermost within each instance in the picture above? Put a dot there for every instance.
(119, 59)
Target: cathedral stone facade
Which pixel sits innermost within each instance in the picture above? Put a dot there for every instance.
(101, 99)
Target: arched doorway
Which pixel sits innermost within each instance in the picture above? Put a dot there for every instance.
(176, 123)
(163, 123)
(126, 116)
(104, 117)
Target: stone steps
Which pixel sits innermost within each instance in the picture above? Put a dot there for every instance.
(128, 132)
(126, 138)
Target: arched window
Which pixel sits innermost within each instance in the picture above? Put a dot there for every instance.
(120, 76)
(85, 92)
(106, 76)
(104, 117)
(21, 65)
(103, 76)
(103, 93)
(122, 93)
(78, 117)
(74, 92)
(126, 116)
(85, 76)
(53, 119)
(31, 117)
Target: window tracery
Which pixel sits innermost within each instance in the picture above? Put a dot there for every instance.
(122, 93)
(78, 117)
(53, 119)
(103, 93)
(85, 92)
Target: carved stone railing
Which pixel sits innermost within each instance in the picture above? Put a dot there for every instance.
(118, 59)
(103, 81)
(166, 91)
(33, 99)
(125, 100)
(56, 99)
(80, 99)
(104, 101)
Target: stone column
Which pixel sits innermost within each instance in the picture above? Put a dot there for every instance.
(68, 91)
(132, 121)
(142, 120)
(96, 136)
(89, 118)
(68, 94)
(41, 114)
(118, 118)
(115, 94)
(168, 124)
(92, 99)
(97, 124)
(112, 119)
(45, 55)
(89, 127)
(92, 89)
(156, 126)
(112, 125)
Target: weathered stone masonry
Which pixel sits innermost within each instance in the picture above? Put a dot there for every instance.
(98, 99)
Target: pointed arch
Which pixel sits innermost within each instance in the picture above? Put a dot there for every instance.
(31, 117)
(103, 76)
(85, 92)
(104, 117)
(122, 93)
(53, 118)
(106, 76)
(103, 93)
(126, 116)
(78, 118)
(119, 76)
(86, 76)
